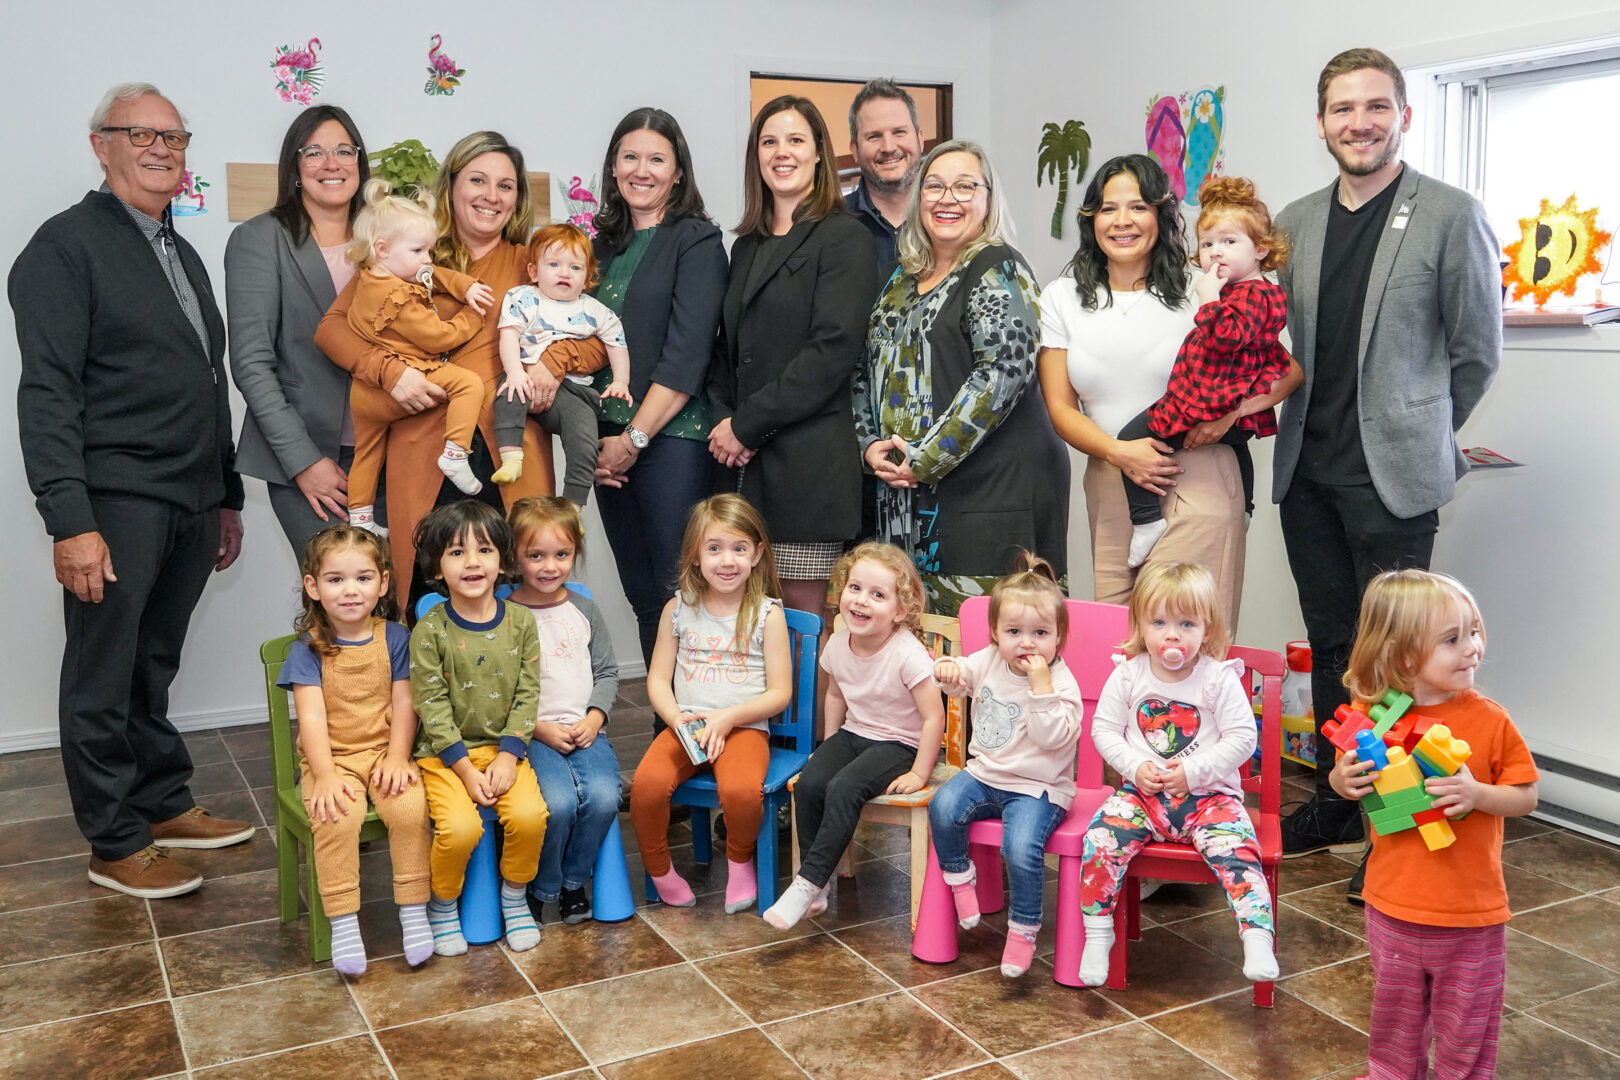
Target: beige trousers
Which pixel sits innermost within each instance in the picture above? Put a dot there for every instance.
(1205, 515)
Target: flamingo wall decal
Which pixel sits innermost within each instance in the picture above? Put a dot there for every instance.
(298, 74)
(443, 74)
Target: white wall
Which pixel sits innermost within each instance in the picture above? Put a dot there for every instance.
(1029, 62)
(558, 104)
(1527, 540)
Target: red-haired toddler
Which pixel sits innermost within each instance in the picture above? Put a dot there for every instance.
(1231, 369)
(547, 374)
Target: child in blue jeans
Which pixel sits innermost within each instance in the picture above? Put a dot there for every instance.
(579, 678)
(1026, 728)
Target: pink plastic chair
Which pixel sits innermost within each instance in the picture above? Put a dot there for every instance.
(1169, 861)
(1095, 633)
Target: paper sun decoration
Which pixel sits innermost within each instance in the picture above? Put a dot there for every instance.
(1557, 246)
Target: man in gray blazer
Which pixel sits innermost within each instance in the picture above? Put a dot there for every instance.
(1395, 313)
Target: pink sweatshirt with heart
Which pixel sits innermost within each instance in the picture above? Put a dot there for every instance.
(1204, 722)
(1022, 741)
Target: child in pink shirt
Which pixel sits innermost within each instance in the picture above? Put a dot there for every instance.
(1026, 726)
(885, 716)
(1176, 724)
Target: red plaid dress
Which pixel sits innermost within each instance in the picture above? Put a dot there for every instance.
(1231, 354)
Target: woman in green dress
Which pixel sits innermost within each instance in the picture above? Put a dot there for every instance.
(947, 406)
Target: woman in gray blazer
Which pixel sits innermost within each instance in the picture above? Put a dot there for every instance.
(283, 269)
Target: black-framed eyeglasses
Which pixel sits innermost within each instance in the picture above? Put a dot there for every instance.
(174, 138)
(345, 153)
(962, 190)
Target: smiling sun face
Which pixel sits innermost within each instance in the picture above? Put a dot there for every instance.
(1558, 245)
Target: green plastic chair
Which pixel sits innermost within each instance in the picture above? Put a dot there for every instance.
(292, 821)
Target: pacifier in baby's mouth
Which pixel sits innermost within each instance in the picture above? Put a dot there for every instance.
(425, 275)
(1172, 657)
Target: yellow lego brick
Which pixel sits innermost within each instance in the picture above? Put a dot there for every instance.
(1437, 835)
(1402, 772)
(1441, 750)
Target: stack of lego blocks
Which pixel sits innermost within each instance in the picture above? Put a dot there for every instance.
(1405, 749)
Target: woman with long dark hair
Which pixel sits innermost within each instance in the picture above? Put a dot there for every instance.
(663, 271)
(283, 269)
(1110, 329)
(803, 278)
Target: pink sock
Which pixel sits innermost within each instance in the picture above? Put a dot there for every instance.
(963, 892)
(742, 888)
(673, 889)
(1020, 950)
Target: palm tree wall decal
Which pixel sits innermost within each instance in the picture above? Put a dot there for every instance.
(1062, 149)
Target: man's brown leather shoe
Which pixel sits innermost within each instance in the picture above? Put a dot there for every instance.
(149, 873)
(197, 828)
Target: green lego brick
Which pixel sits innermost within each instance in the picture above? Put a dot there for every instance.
(1410, 799)
(1392, 821)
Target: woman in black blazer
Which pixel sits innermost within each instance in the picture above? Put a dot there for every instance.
(803, 278)
(663, 270)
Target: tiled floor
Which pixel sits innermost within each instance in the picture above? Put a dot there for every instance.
(94, 984)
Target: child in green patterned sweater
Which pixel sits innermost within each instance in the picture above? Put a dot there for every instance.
(475, 681)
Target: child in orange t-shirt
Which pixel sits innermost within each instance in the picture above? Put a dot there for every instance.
(1437, 920)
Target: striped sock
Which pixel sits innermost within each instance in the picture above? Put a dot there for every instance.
(413, 920)
(521, 932)
(444, 916)
(348, 951)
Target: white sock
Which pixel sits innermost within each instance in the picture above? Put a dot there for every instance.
(1259, 956)
(453, 463)
(348, 951)
(417, 932)
(819, 904)
(444, 916)
(1143, 537)
(521, 932)
(364, 517)
(793, 904)
(1099, 942)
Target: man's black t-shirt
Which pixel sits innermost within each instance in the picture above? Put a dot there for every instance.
(1331, 452)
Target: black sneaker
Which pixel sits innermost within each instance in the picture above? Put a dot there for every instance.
(573, 906)
(1352, 891)
(1323, 825)
(537, 907)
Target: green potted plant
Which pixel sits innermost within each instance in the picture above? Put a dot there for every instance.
(408, 165)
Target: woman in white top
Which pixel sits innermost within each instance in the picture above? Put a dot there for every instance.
(1110, 329)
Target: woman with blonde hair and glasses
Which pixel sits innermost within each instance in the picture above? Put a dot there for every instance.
(947, 408)
(482, 205)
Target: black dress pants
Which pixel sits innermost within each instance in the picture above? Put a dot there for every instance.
(126, 765)
(1339, 538)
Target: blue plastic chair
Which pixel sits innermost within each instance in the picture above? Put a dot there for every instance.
(796, 724)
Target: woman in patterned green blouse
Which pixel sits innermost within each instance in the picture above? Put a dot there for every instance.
(948, 410)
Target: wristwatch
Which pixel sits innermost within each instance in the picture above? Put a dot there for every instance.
(638, 438)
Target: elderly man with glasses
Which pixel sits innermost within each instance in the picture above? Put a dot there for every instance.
(126, 438)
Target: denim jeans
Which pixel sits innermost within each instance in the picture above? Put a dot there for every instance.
(581, 790)
(1027, 824)
(646, 519)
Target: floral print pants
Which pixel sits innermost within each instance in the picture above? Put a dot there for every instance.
(1215, 824)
